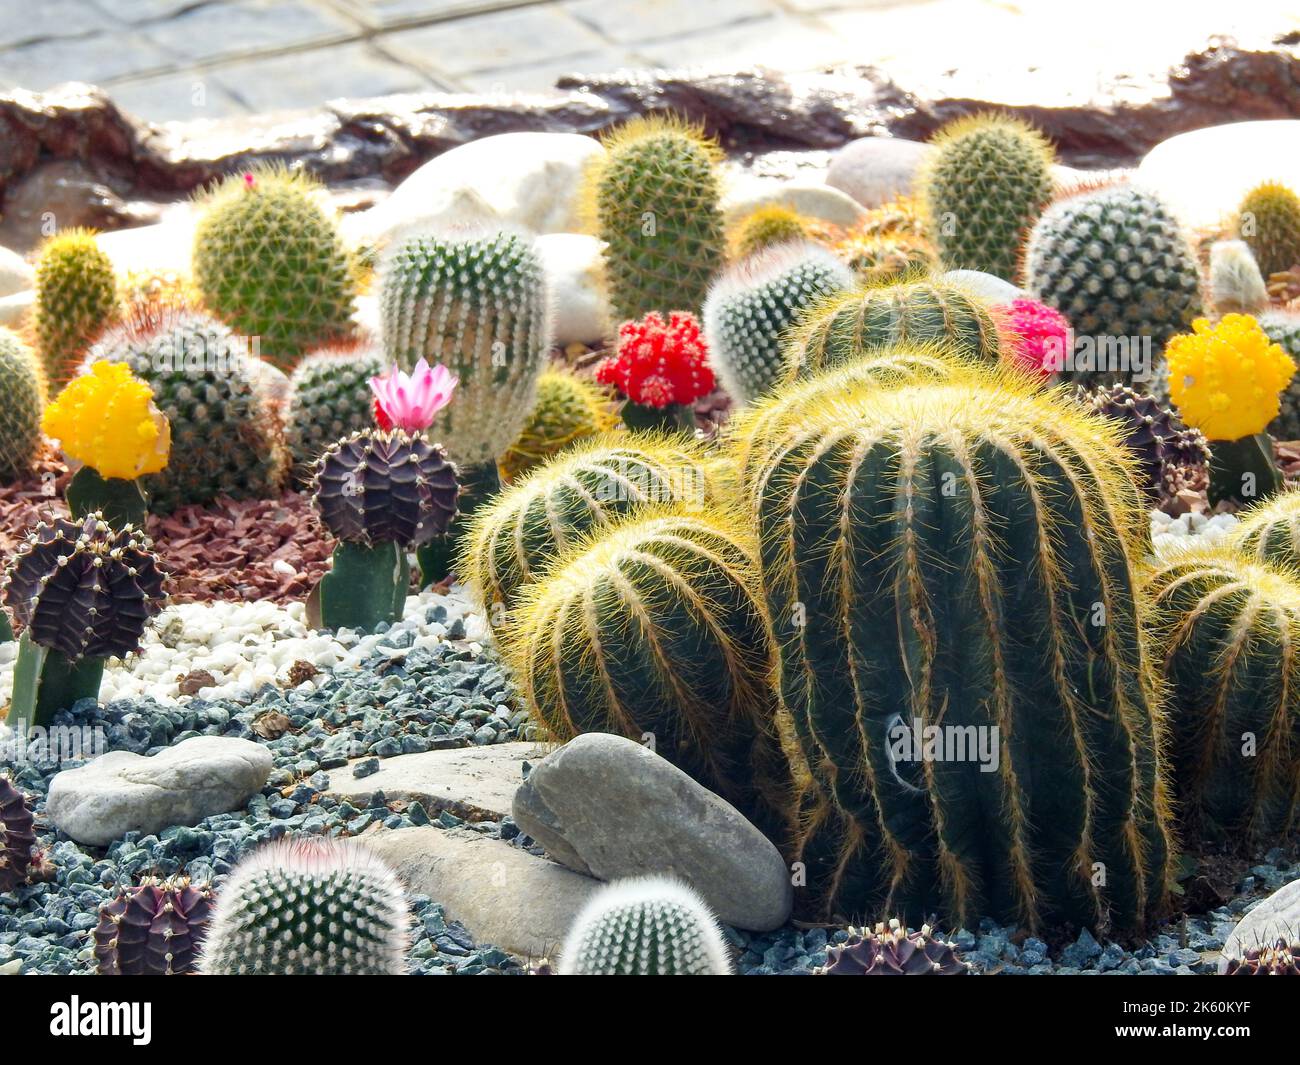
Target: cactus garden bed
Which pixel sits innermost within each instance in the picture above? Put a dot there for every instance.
(832, 555)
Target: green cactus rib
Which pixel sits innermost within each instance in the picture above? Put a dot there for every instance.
(958, 553)
(1230, 630)
(1270, 531)
(655, 629)
(516, 537)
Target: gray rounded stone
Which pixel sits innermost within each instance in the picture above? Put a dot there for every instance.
(610, 808)
(875, 170)
(1277, 917)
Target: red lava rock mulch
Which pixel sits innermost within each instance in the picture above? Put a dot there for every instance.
(225, 550)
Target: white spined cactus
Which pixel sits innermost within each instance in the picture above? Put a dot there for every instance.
(476, 300)
(308, 907)
(1236, 285)
(645, 926)
(752, 305)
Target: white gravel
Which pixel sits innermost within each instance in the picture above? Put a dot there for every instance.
(1173, 534)
(247, 645)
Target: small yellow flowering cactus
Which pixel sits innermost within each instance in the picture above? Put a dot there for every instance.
(107, 419)
(1226, 378)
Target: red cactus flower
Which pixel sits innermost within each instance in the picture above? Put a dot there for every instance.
(658, 363)
(381, 419)
(1039, 336)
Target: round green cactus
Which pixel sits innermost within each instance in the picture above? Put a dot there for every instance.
(22, 398)
(329, 398)
(1270, 531)
(308, 907)
(1117, 264)
(653, 196)
(76, 297)
(269, 260)
(647, 926)
(569, 408)
(1269, 221)
(225, 435)
(765, 227)
(987, 181)
(752, 307)
(1283, 327)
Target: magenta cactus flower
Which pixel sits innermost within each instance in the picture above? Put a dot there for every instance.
(410, 401)
(1040, 336)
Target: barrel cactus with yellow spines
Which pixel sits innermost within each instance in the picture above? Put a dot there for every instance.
(569, 408)
(653, 197)
(517, 536)
(76, 297)
(1229, 631)
(22, 399)
(957, 555)
(766, 227)
(1269, 221)
(852, 324)
(655, 630)
(1270, 531)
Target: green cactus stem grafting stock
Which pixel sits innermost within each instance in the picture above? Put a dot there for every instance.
(22, 397)
(653, 198)
(308, 907)
(76, 296)
(949, 564)
(752, 306)
(1229, 631)
(655, 628)
(1244, 470)
(269, 260)
(85, 592)
(646, 926)
(329, 398)
(852, 324)
(1269, 221)
(517, 536)
(17, 836)
(119, 501)
(6, 629)
(378, 493)
(988, 179)
(152, 929)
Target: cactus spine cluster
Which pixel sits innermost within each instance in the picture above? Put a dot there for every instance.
(268, 258)
(1269, 221)
(153, 929)
(1117, 264)
(1229, 628)
(22, 399)
(1279, 959)
(515, 538)
(648, 926)
(329, 398)
(76, 297)
(308, 907)
(654, 198)
(988, 180)
(892, 951)
(902, 529)
(17, 836)
(848, 326)
(569, 408)
(656, 627)
(753, 305)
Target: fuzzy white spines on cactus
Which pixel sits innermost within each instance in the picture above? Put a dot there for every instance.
(1236, 285)
(645, 926)
(476, 300)
(308, 907)
(751, 306)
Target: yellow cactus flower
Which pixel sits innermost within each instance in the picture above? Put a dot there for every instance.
(107, 419)
(1226, 378)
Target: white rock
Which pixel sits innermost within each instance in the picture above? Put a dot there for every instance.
(808, 198)
(875, 170)
(1204, 174)
(163, 248)
(1277, 917)
(573, 267)
(14, 309)
(15, 274)
(122, 792)
(528, 179)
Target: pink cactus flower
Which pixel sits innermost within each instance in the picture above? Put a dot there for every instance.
(249, 181)
(409, 401)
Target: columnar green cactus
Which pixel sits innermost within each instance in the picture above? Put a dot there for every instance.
(655, 628)
(1269, 221)
(1117, 264)
(76, 296)
(648, 926)
(987, 181)
(268, 258)
(225, 435)
(515, 538)
(955, 555)
(653, 196)
(329, 398)
(1229, 630)
(308, 907)
(569, 408)
(1270, 531)
(1283, 327)
(848, 326)
(753, 305)
(22, 398)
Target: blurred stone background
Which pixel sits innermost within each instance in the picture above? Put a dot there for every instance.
(192, 59)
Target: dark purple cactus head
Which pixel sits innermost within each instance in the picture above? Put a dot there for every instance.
(892, 951)
(1280, 959)
(154, 929)
(17, 836)
(85, 589)
(386, 487)
(1165, 448)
